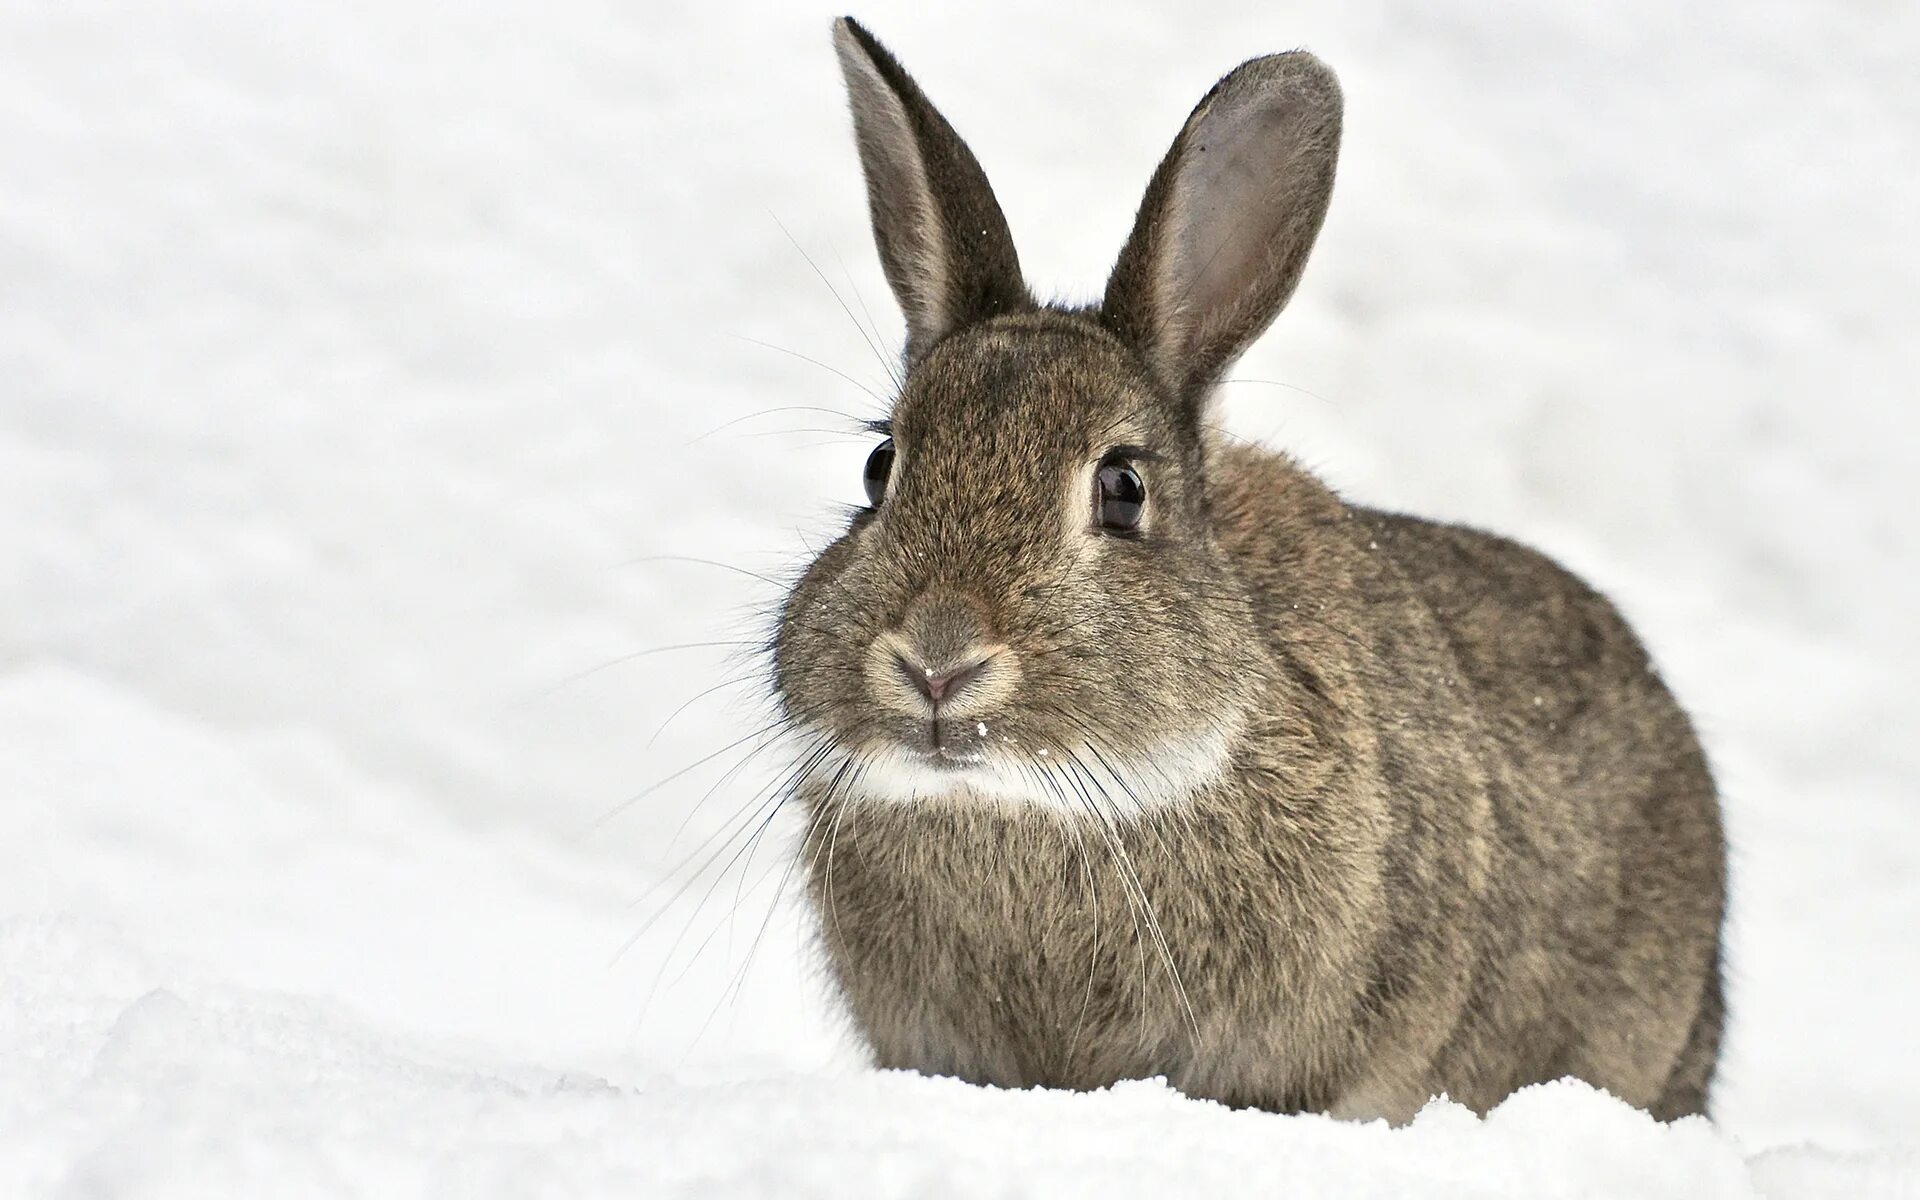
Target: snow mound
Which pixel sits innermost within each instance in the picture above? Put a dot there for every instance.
(127, 1077)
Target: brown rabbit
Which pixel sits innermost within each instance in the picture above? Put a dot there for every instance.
(1130, 752)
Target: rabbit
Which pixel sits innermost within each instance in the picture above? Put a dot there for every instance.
(1129, 751)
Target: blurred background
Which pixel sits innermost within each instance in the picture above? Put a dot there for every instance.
(369, 372)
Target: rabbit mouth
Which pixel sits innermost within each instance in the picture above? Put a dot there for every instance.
(943, 740)
(942, 758)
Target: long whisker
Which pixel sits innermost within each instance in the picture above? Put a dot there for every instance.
(1292, 387)
(867, 388)
(1093, 955)
(733, 828)
(1153, 920)
(814, 822)
(1085, 801)
(784, 408)
(577, 676)
(771, 808)
(781, 725)
(736, 681)
(784, 793)
(833, 843)
(872, 325)
(703, 760)
(838, 808)
(885, 365)
(704, 562)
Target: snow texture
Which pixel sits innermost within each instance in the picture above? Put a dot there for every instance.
(359, 364)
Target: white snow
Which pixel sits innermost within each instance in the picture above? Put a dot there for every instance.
(363, 367)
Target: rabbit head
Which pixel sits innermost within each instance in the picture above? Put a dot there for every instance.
(1037, 600)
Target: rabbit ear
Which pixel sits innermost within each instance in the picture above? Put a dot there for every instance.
(943, 241)
(1228, 220)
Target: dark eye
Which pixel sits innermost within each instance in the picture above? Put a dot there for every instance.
(1119, 496)
(879, 467)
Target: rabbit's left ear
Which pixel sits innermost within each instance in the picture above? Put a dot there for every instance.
(943, 241)
(1228, 220)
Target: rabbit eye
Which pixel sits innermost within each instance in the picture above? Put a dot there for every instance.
(879, 467)
(1120, 496)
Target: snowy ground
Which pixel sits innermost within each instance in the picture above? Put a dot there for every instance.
(356, 361)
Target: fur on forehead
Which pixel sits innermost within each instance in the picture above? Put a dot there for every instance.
(1054, 379)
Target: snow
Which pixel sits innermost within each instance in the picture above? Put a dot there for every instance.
(371, 371)
(249, 1093)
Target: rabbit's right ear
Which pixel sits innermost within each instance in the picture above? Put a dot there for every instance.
(1228, 221)
(943, 241)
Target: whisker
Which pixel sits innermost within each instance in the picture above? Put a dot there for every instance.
(767, 802)
(862, 302)
(1093, 955)
(786, 874)
(736, 681)
(730, 829)
(808, 358)
(590, 672)
(726, 425)
(1133, 907)
(1153, 920)
(1292, 387)
(785, 408)
(885, 365)
(833, 844)
(650, 789)
(705, 562)
(701, 1032)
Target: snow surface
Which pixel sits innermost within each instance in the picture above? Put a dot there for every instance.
(359, 362)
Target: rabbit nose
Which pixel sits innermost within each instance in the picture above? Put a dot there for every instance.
(938, 685)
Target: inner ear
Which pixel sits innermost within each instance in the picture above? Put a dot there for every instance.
(1242, 226)
(1229, 219)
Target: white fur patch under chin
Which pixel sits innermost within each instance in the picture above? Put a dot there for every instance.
(1083, 785)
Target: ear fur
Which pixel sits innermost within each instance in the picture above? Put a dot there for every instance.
(943, 241)
(1228, 220)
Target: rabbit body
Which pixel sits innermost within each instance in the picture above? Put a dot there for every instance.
(1298, 804)
(1476, 863)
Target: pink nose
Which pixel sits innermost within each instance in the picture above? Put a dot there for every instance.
(938, 685)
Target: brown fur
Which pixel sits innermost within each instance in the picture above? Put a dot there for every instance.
(1461, 838)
